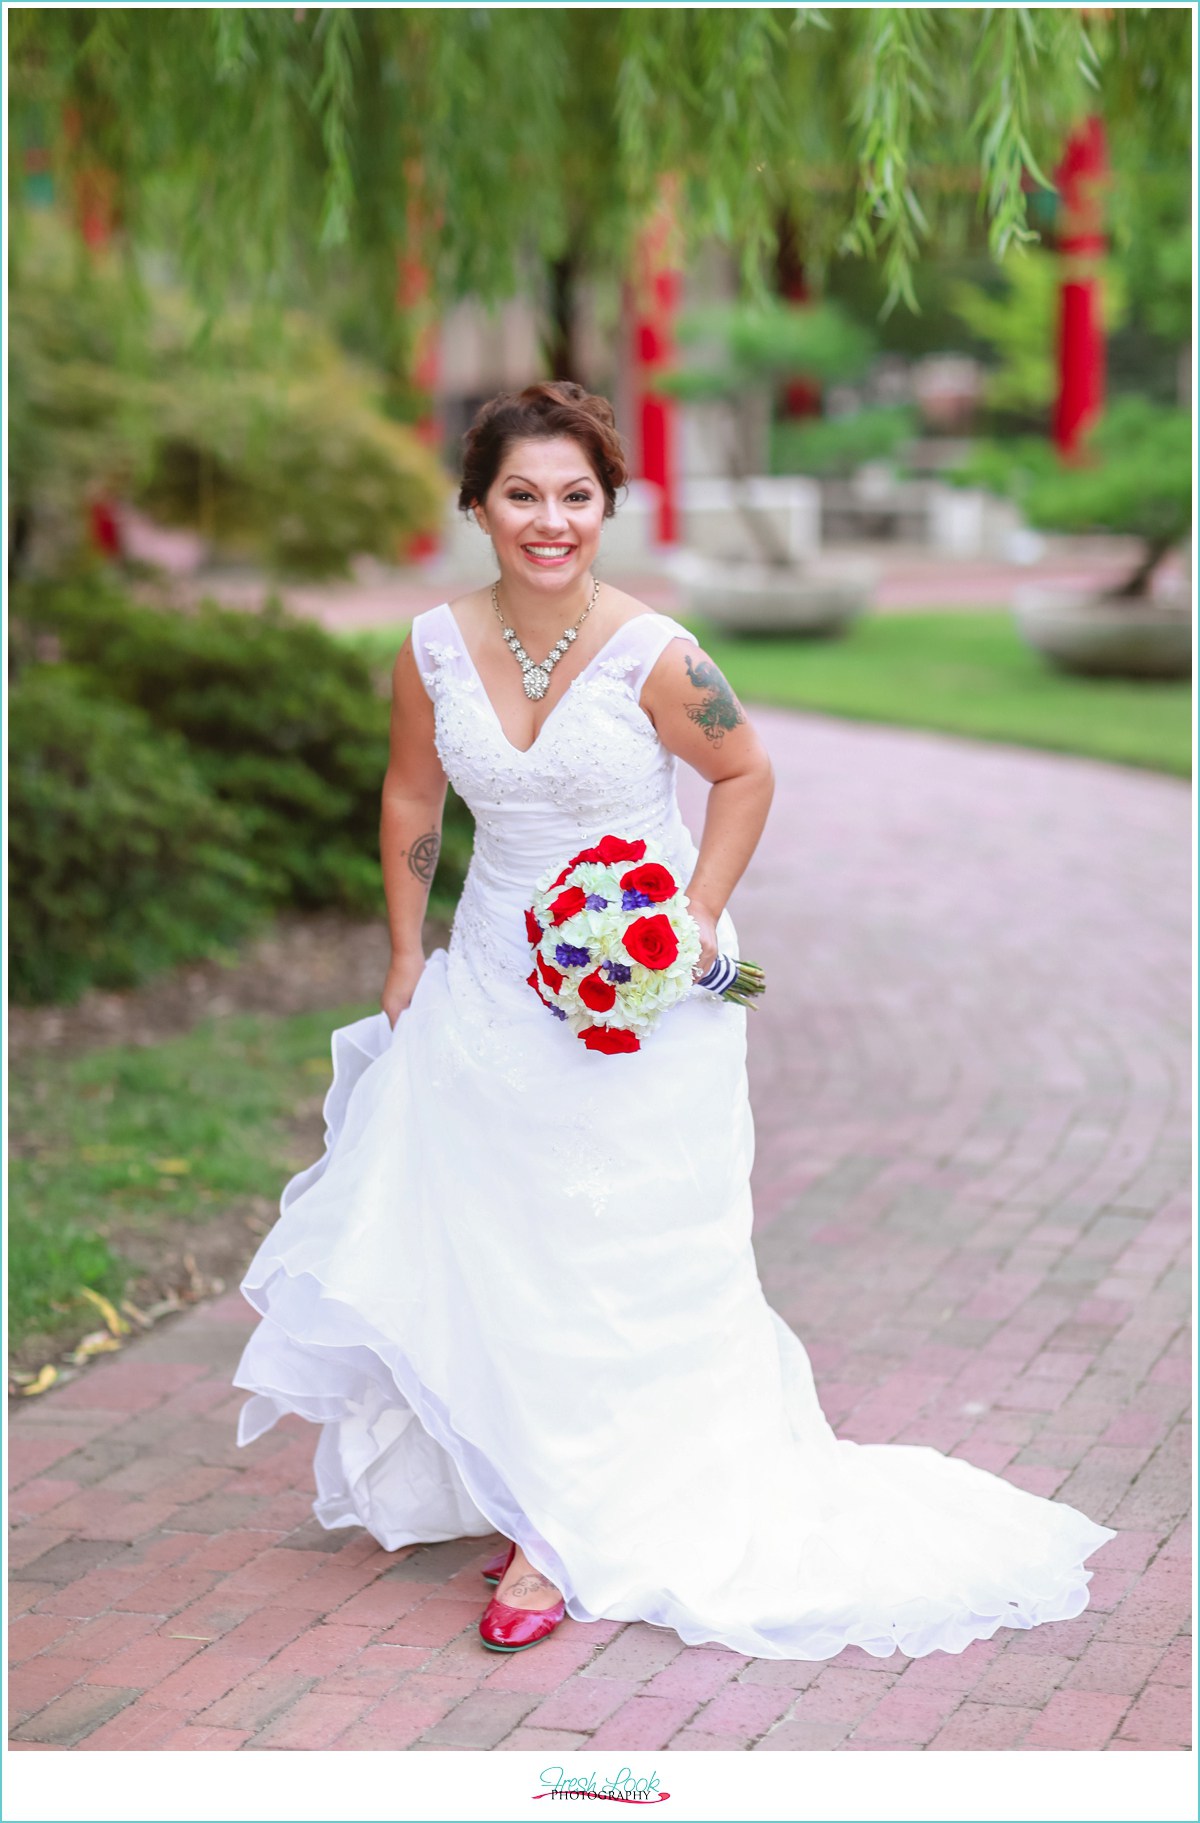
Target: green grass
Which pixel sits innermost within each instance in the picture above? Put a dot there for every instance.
(128, 1138)
(965, 673)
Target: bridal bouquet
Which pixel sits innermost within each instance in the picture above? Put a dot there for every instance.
(614, 946)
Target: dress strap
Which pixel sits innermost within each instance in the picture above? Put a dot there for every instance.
(435, 643)
(647, 638)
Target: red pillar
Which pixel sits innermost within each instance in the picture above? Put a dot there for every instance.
(801, 395)
(97, 211)
(653, 296)
(414, 297)
(94, 198)
(1081, 176)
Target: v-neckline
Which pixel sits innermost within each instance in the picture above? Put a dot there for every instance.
(578, 679)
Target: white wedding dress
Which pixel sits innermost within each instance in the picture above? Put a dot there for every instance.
(518, 1292)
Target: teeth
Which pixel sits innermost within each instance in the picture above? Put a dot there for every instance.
(548, 550)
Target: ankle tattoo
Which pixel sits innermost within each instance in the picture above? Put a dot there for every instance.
(530, 1583)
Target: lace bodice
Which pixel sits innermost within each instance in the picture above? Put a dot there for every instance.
(596, 767)
(597, 761)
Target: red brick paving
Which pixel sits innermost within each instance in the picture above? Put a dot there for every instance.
(971, 1092)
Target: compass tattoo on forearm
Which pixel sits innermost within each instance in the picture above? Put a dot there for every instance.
(719, 712)
(423, 856)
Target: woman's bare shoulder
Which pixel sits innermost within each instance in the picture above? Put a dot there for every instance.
(623, 607)
(470, 610)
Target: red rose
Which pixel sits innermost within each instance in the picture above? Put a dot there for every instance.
(533, 929)
(613, 849)
(567, 904)
(651, 880)
(550, 975)
(562, 876)
(652, 942)
(596, 992)
(609, 1038)
(531, 980)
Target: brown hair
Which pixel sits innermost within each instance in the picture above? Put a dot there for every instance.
(548, 408)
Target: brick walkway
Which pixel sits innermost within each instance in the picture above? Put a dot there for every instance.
(973, 1102)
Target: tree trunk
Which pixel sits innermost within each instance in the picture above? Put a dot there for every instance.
(20, 533)
(1136, 586)
(761, 526)
(560, 343)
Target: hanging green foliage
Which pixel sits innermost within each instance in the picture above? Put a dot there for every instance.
(267, 138)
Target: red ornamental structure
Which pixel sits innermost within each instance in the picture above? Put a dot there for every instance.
(1081, 176)
(801, 396)
(97, 218)
(652, 303)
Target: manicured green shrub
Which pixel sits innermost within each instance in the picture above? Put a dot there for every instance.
(281, 723)
(1134, 476)
(264, 435)
(831, 447)
(121, 860)
(285, 724)
(741, 346)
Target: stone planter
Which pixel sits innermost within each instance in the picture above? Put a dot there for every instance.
(1095, 636)
(820, 597)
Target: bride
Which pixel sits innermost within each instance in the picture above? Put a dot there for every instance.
(517, 1293)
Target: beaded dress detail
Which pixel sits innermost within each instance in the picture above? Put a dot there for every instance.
(517, 1293)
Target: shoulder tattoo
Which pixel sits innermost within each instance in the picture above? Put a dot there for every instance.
(423, 855)
(719, 711)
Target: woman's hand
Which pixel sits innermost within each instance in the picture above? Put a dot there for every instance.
(400, 985)
(708, 938)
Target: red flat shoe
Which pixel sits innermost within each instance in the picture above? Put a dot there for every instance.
(507, 1629)
(493, 1570)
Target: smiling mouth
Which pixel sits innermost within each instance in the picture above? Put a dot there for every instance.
(548, 550)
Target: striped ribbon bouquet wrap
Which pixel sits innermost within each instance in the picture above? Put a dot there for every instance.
(614, 946)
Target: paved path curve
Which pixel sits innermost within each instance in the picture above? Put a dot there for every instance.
(973, 1104)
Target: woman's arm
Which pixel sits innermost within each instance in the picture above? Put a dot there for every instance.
(410, 827)
(698, 717)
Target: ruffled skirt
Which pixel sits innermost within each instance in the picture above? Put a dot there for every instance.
(518, 1294)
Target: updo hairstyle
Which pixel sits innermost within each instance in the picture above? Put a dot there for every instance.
(548, 408)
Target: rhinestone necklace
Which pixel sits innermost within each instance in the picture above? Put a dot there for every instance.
(537, 677)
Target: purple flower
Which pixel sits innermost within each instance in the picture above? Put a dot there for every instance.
(594, 902)
(631, 901)
(567, 956)
(558, 1012)
(616, 971)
